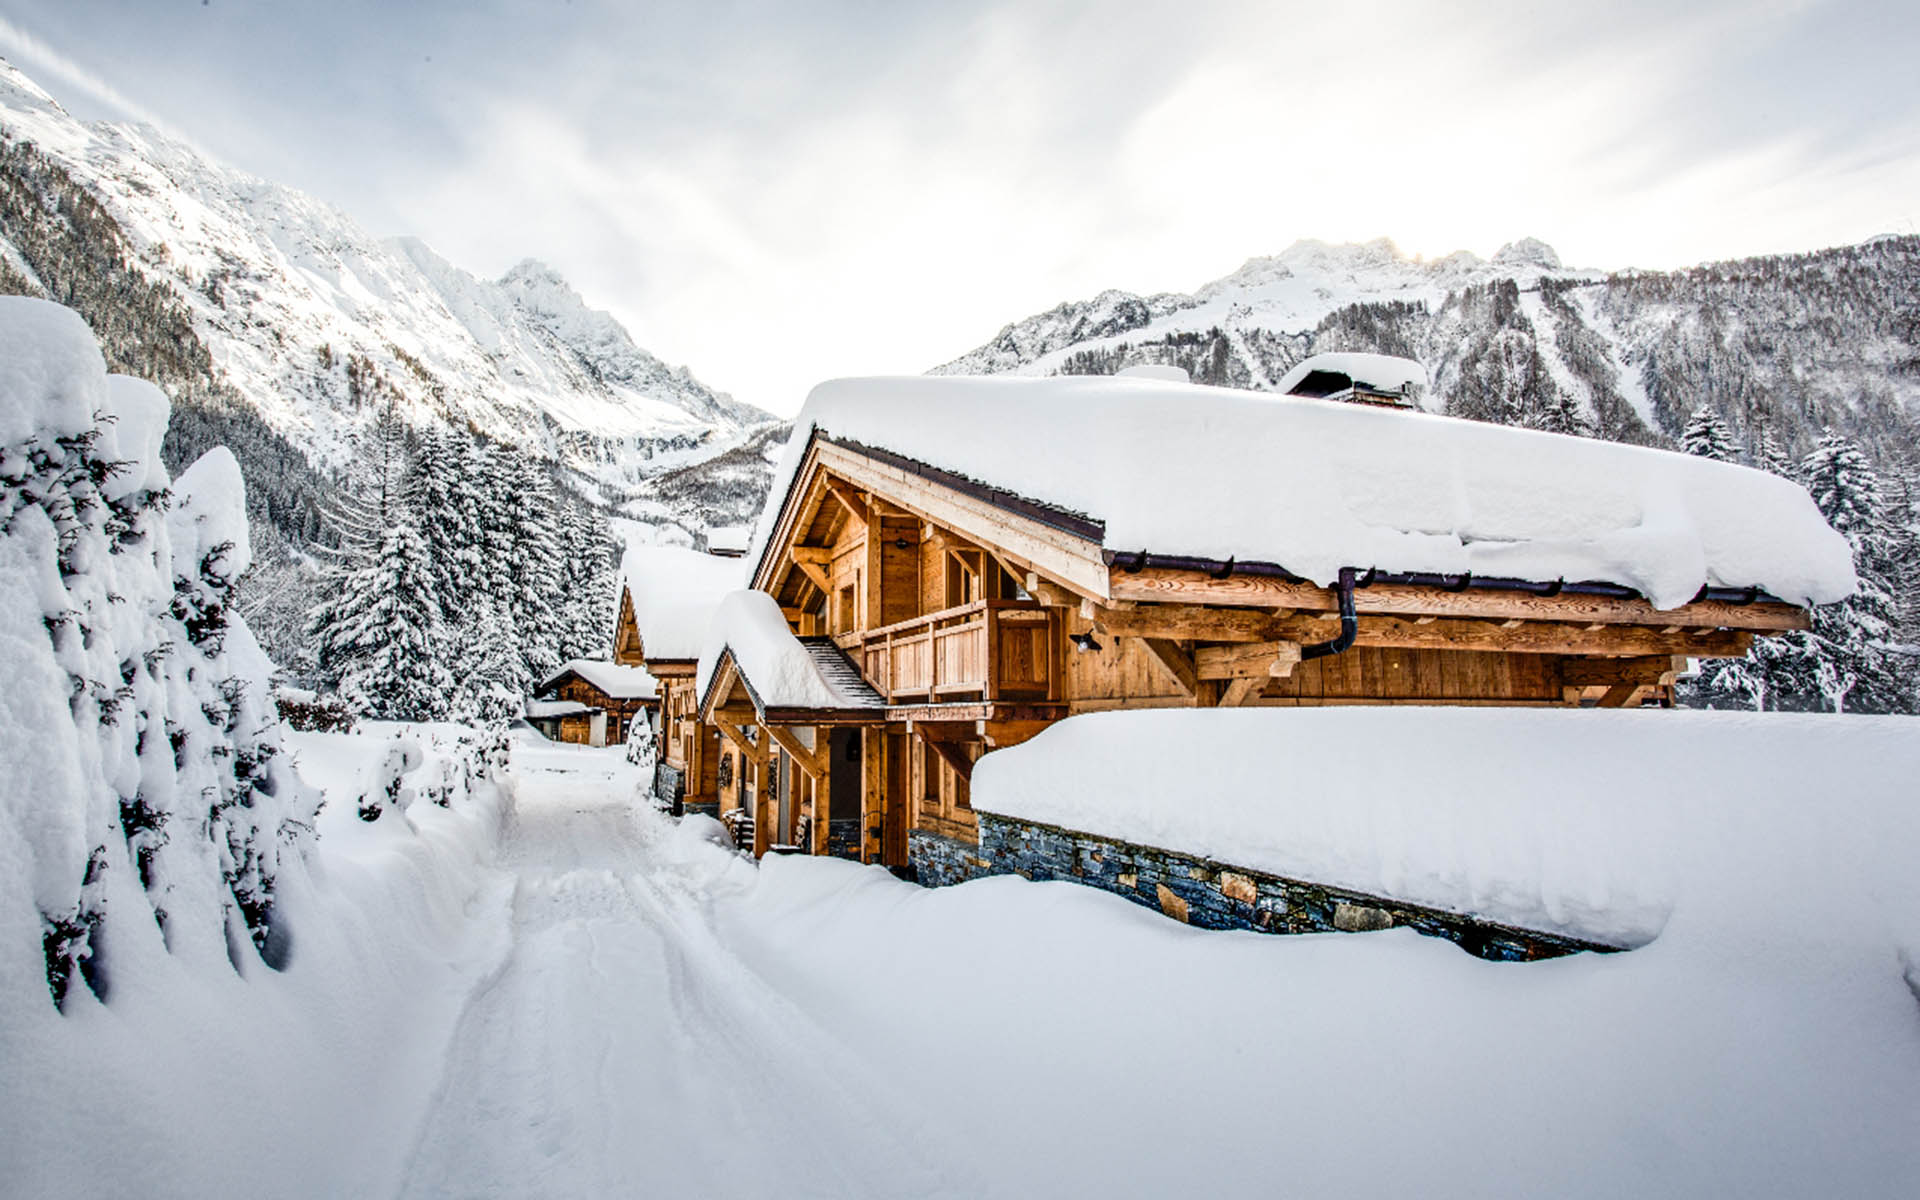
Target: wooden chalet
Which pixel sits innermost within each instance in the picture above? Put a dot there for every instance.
(592, 703)
(974, 598)
(667, 596)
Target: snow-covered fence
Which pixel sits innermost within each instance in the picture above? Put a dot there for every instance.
(146, 807)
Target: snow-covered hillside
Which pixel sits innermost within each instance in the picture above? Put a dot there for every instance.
(1781, 347)
(1286, 293)
(312, 320)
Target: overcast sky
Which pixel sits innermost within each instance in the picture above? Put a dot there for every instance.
(777, 193)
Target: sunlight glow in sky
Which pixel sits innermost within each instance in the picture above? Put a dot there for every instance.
(776, 193)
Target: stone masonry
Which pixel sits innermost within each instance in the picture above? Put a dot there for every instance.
(1209, 894)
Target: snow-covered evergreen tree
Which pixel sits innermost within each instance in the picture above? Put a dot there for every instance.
(491, 683)
(150, 812)
(449, 513)
(377, 629)
(1856, 667)
(532, 526)
(1769, 455)
(586, 600)
(1707, 436)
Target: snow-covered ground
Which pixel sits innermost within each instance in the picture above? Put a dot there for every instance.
(576, 996)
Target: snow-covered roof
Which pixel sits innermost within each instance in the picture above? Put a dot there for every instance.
(781, 670)
(729, 539)
(1314, 486)
(617, 682)
(674, 591)
(1582, 822)
(1381, 372)
(557, 708)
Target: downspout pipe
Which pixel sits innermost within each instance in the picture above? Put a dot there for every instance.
(1349, 623)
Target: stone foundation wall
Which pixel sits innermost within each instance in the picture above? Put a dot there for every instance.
(942, 861)
(844, 837)
(1206, 893)
(669, 787)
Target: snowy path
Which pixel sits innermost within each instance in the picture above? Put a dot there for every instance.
(620, 1048)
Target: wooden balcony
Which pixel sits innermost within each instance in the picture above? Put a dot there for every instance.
(986, 651)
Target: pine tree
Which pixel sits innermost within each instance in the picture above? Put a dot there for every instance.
(449, 510)
(1560, 413)
(377, 629)
(492, 684)
(1855, 667)
(532, 531)
(1769, 455)
(1707, 436)
(587, 595)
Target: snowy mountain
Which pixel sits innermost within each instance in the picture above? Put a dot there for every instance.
(1781, 347)
(310, 320)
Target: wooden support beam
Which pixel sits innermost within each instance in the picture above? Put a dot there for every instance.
(1242, 690)
(815, 576)
(1260, 660)
(998, 734)
(849, 499)
(811, 761)
(1185, 622)
(954, 754)
(737, 735)
(1618, 695)
(1189, 623)
(1177, 660)
(1609, 672)
(1156, 584)
(820, 555)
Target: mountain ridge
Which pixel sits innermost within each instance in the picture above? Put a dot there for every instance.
(1781, 346)
(310, 318)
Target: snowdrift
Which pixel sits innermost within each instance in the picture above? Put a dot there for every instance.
(1595, 824)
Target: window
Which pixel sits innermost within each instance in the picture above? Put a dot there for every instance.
(843, 611)
(963, 577)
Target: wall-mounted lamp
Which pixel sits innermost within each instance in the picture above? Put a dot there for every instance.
(901, 543)
(1083, 641)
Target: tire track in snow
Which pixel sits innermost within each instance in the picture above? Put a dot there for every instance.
(620, 1046)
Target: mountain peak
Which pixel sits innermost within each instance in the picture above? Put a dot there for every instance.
(1527, 252)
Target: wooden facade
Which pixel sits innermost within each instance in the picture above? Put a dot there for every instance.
(686, 746)
(977, 618)
(615, 714)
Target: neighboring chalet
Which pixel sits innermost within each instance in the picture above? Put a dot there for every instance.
(949, 565)
(729, 541)
(667, 599)
(592, 703)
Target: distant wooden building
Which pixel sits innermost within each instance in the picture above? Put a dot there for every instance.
(961, 562)
(667, 597)
(592, 703)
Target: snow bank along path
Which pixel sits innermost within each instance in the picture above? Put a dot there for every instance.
(619, 1047)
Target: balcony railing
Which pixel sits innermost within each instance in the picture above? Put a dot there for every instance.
(987, 650)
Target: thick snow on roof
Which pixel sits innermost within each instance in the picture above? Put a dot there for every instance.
(618, 682)
(1584, 822)
(674, 591)
(1382, 371)
(783, 671)
(557, 708)
(1316, 486)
